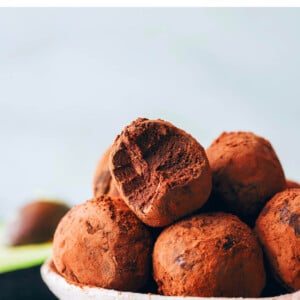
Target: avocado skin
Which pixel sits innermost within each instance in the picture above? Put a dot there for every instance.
(35, 223)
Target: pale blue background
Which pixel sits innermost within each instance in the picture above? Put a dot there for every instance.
(70, 79)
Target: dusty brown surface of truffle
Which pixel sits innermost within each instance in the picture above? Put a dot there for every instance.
(102, 243)
(246, 172)
(278, 228)
(161, 172)
(103, 183)
(209, 255)
(290, 184)
(35, 222)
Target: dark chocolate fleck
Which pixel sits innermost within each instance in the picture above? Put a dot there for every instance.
(180, 260)
(295, 223)
(229, 242)
(284, 214)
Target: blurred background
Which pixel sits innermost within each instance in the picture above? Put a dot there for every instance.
(71, 79)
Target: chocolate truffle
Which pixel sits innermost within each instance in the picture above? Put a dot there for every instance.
(161, 172)
(35, 222)
(209, 255)
(292, 184)
(246, 172)
(102, 243)
(103, 183)
(278, 228)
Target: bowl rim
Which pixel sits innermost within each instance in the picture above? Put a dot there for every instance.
(59, 286)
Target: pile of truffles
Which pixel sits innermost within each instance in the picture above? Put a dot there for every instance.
(170, 217)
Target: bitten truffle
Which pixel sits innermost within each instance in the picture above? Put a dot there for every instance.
(278, 228)
(102, 243)
(103, 183)
(161, 172)
(246, 173)
(35, 222)
(209, 255)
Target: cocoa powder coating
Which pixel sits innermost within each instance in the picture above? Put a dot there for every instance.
(209, 255)
(103, 182)
(102, 243)
(278, 228)
(246, 172)
(161, 172)
(290, 184)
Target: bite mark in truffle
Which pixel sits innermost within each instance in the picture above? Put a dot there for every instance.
(162, 172)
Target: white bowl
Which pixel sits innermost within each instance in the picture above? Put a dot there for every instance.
(66, 291)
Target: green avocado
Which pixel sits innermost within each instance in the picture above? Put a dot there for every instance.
(20, 257)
